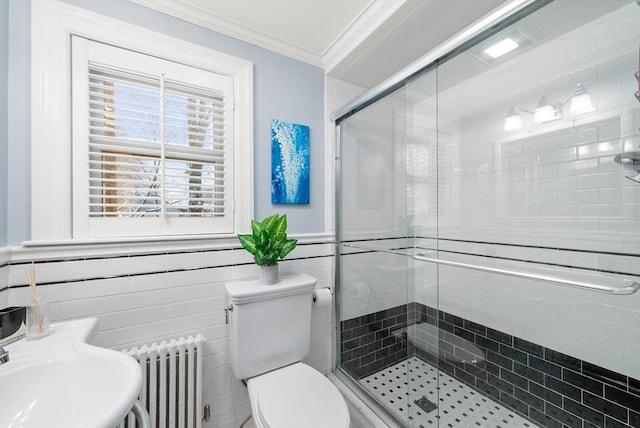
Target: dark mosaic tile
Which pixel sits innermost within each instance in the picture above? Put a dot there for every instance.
(446, 346)
(492, 368)
(513, 403)
(446, 327)
(563, 416)
(359, 352)
(389, 323)
(584, 412)
(604, 375)
(455, 320)
(475, 328)
(499, 336)
(501, 384)
(486, 343)
(612, 423)
(623, 398)
(528, 347)
(388, 341)
(605, 406)
(350, 344)
(361, 331)
(447, 367)
(545, 393)
(634, 386)
(529, 399)
(562, 359)
(384, 352)
(545, 366)
(583, 382)
(464, 376)
(368, 319)
(476, 370)
(528, 372)
(542, 419)
(524, 376)
(401, 320)
(490, 390)
(499, 360)
(367, 359)
(514, 379)
(514, 354)
(562, 388)
(349, 324)
(346, 335)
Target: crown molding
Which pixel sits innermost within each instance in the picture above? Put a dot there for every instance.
(192, 13)
(372, 17)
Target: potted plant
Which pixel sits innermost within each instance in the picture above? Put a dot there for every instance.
(268, 243)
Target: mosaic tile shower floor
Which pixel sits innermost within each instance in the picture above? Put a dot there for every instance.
(460, 406)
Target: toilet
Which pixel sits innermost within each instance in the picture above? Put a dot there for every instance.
(269, 332)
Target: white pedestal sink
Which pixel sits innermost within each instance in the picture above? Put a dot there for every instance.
(61, 381)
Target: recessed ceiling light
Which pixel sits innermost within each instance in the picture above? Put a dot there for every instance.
(502, 47)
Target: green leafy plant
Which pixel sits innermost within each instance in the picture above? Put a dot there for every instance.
(268, 241)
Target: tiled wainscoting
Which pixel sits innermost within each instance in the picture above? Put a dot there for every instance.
(148, 292)
(550, 388)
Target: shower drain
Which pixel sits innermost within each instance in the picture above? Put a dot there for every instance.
(425, 404)
(458, 406)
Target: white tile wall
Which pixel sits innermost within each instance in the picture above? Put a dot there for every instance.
(144, 298)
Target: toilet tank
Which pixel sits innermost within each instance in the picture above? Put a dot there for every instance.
(269, 325)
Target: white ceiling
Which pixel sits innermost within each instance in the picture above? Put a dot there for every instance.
(359, 41)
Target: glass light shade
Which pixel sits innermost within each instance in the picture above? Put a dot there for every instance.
(513, 120)
(580, 101)
(544, 112)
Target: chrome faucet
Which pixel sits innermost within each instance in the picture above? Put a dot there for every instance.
(4, 356)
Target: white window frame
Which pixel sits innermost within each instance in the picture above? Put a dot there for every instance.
(52, 25)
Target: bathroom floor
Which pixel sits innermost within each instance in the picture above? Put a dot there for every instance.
(460, 406)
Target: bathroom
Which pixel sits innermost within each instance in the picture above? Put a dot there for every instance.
(574, 209)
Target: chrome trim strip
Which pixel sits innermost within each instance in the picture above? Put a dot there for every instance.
(492, 18)
(337, 224)
(630, 288)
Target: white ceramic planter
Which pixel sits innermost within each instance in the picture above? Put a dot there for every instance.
(268, 274)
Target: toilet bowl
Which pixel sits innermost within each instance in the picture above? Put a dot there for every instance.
(296, 396)
(269, 336)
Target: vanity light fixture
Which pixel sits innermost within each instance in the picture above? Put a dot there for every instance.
(580, 102)
(513, 120)
(545, 112)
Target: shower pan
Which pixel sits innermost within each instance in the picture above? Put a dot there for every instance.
(488, 266)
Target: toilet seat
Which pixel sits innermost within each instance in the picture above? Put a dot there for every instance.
(297, 396)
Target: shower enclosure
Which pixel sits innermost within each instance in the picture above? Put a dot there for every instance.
(488, 225)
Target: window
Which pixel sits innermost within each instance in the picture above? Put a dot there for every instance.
(152, 145)
(134, 133)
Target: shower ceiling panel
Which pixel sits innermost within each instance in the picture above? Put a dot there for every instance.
(523, 69)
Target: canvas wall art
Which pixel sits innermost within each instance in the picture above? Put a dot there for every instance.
(289, 163)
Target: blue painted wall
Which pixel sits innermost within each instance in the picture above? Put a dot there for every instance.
(283, 89)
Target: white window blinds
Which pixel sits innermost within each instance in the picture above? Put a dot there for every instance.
(154, 145)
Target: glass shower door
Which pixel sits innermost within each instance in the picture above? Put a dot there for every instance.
(376, 232)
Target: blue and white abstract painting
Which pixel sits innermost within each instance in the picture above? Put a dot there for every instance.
(289, 163)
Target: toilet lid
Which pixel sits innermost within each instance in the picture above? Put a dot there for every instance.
(297, 396)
